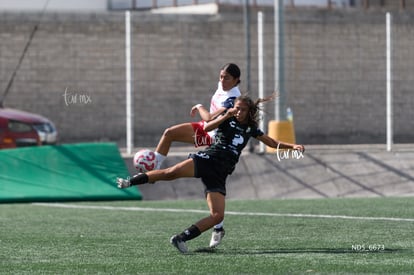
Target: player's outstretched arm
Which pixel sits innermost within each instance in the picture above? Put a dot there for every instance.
(280, 144)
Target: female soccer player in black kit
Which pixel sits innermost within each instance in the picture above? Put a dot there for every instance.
(215, 163)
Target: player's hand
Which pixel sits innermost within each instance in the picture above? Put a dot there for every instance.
(299, 147)
(194, 110)
(231, 112)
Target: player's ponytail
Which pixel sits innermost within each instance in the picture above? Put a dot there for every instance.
(254, 107)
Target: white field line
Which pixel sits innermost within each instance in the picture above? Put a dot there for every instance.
(150, 209)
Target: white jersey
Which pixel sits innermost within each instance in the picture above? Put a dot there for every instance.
(223, 98)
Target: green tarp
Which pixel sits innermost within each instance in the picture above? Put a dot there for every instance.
(72, 172)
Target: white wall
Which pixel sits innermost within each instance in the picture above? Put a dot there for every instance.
(102, 5)
(54, 5)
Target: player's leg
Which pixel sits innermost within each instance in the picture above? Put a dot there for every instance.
(182, 132)
(218, 230)
(216, 204)
(192, 132)
(180, 170)
(184, 169)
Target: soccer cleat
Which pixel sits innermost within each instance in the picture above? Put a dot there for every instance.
(216, 237)
(123, 183)
(179, 244)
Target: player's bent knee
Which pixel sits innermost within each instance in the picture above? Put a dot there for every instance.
(170, 133)
(217, 217)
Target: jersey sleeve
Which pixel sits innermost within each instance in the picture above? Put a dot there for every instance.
(257, 133)
(228, 103)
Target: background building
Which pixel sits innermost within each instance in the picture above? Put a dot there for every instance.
(74, 69)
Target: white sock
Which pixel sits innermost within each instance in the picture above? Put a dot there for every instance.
(219, 225)
(160, 158)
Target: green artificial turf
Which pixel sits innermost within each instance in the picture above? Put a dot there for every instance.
(262, 237)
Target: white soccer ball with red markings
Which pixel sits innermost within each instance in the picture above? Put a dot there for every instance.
(144, 160)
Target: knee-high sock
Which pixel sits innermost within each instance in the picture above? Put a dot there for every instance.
(160, 158)
(139, 179)
(190, 233)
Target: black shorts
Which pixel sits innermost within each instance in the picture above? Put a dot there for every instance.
(212, 172)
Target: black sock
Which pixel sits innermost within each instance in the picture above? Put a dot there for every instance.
(219, 229)
(190, 233)
(139, 179)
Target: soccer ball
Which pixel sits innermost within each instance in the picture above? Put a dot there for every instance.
(144, 160)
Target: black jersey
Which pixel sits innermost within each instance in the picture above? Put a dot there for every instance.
(230, 140)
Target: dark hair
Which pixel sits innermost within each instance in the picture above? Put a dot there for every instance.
(254, 108)
(233, 70)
